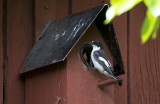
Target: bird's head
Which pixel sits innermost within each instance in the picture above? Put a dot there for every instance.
(98, 44)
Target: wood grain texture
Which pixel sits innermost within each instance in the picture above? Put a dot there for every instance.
(48, 83)
(144, 63)
(19, 42)
(1, 55)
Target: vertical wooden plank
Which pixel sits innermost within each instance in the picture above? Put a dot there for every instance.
(48, 83)
(120, 25)
(19, 42)
(144, 63)
(1, 55)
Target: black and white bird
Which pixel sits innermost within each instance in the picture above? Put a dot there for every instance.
(101, 63)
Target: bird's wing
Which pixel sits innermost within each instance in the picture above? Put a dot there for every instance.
(102, 59)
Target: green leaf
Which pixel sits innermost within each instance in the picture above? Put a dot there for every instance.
(154, 35)
(118, 7)
(129, 4)
(148, 26)
(153, 6)
(110, 14)
(112, 2)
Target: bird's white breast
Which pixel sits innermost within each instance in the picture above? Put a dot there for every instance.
(96, 64)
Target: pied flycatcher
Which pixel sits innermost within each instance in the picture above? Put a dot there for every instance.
(101, 63)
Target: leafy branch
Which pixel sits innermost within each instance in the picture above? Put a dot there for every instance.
(151, 22)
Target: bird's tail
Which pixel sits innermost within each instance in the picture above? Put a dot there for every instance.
(119, 80)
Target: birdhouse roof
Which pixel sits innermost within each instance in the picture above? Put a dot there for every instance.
(60, 36)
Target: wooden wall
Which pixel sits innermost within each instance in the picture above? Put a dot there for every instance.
(24, 21)
(1, 54)
(43, 87)
(18, 43)
(144, 63)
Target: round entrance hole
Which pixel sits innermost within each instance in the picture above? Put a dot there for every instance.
(85, 54)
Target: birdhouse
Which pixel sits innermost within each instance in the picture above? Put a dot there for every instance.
(62, 45)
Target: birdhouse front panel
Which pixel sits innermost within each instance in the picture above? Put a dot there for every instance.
(82, 81)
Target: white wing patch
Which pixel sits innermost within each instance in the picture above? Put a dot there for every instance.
(106, 63)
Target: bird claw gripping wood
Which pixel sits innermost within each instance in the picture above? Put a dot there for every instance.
(58, 100)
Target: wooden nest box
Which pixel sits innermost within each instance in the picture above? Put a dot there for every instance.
(58, 48)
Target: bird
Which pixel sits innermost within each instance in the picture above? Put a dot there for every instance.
(101, 62)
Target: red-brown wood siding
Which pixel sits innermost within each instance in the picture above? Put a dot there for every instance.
(1, 55)
(19, 43)
(43, 87)
(144, 67)
(25, 21)
(120, 26)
